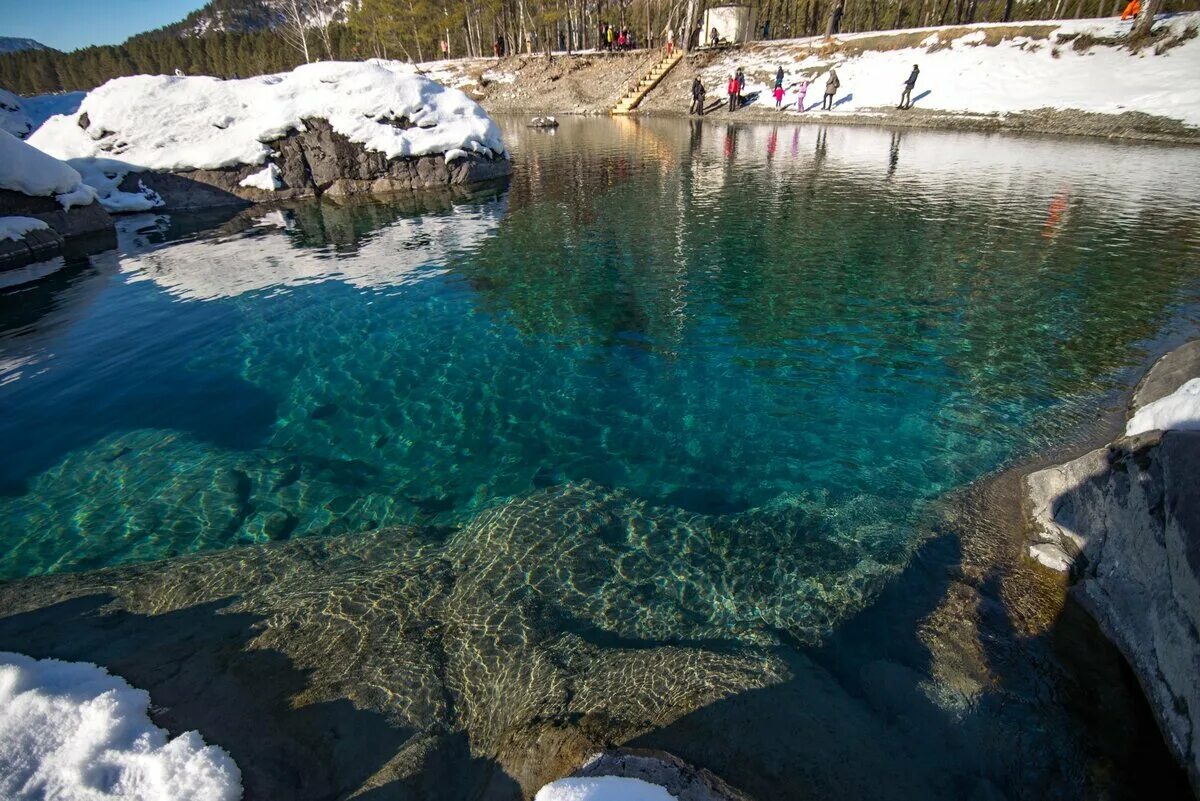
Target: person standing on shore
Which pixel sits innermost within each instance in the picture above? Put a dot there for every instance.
(832, 84)
(733, 92)
(697, 97)
(802, 89)
(741, 80)
(778, 98)
(906, 95)
(779, 77)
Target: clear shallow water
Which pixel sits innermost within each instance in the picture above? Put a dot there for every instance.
(744, 358)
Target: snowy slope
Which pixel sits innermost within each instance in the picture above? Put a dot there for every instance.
(71, 731)
(969, 75)
(9, 44)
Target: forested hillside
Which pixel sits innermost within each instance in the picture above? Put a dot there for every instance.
(230, 38)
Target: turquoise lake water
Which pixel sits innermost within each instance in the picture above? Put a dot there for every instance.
(793, 339)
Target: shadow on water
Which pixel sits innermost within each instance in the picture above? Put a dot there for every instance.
(188, 659)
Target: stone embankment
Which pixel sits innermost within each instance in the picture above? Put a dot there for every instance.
(1124, 521)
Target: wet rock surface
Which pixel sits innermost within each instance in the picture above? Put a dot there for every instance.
(72, 231)
(1125, 522)
(315, 162)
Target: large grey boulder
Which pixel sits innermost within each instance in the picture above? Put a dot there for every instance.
(1125, 522)
(316, 161)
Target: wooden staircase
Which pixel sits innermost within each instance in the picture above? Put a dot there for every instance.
(648, 81)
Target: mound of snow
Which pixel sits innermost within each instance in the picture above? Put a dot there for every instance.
(15, 228)
(602, 788)
(27, 170)
(71, 731)
(174, 123)
(13, 117)
(1179, 411)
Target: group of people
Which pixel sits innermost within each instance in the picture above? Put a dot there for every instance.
(614, 39)
(736, 88)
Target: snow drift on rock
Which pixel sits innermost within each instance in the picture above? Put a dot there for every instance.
(170, 123)
(71, 732)
(27, 170)
(1179, 411)
(15, 228)
(603, 788)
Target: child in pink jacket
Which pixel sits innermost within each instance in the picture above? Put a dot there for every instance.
(778, 97)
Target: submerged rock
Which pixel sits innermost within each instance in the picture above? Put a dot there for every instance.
(1125, 521)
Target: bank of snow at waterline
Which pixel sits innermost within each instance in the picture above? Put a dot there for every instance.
(1179, 411)
(29, 171)
(175, 124)
(69, 731)
(602, 788)
(966, 74)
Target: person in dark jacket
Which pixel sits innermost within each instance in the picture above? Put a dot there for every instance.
(832, 84)
(741, 79)
(697, 97)
(779, 77)
(906, 95)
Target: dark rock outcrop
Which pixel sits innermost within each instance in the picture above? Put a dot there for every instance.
(78, 229)
(1125, 521)
(683, 781)
(313, 162)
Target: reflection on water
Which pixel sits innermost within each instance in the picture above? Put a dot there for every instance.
(676, 394)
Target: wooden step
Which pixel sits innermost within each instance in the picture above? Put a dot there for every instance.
(647, 82)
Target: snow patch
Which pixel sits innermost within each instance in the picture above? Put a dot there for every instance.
(179, 123)
(15, 228)
(1179, 411)
(972, 76)
(73, 732)
(266, 179)
(25, 169)
(603, 788)
(13, 117)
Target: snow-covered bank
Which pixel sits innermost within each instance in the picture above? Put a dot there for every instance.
(31, 172)
(162, 123)
(15, 228)
(981, 70)
(71, 732)
(602, 788)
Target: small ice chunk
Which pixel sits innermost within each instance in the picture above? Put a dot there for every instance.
(266, 179)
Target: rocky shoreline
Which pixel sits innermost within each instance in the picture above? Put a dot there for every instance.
(1123, 522)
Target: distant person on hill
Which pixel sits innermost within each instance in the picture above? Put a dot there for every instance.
(802, 89)
(832, 84)
(906, 95)
(697, 97)
(714, 38)
(778, 98)
(670, 40)
(500, 43)
(733, 92)
(1132, 10)
(608, 35)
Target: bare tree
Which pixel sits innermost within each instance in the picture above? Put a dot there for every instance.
(293, 28)
(1145, 20)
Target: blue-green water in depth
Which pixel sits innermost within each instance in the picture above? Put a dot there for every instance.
(810, 332)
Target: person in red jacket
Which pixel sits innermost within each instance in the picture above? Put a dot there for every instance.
(1132, 10)
(733, 92)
